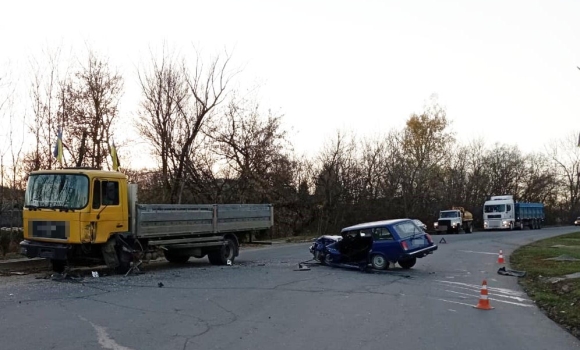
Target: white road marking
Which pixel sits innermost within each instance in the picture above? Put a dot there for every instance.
(478, 287)
(104, 339)
(490, 298)
(498, 294)
(454, 302)
(471, 251)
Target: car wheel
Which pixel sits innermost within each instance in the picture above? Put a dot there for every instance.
(408, 263)
(317, 256)
(379, 262)
(327, 259)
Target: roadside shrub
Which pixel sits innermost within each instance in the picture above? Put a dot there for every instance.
(10, 239)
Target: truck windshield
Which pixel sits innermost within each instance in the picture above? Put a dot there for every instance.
(57, 191)
(449, 214)
(498, 208)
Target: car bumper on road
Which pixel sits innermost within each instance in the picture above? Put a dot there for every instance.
(421, 252)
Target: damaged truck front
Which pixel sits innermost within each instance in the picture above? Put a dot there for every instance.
(86, 216)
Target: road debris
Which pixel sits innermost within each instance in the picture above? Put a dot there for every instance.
(508, 272)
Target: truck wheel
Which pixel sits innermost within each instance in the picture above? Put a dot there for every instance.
(379, 262)
(225, 253)
(469, 228)
(408, 263)
(521, 225)
(58, 265)
(174, 258)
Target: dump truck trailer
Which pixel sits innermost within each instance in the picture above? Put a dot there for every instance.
(80, 216)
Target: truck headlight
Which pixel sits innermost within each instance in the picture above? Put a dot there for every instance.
(436, 224)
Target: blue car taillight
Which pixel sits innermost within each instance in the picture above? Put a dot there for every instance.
(429, 238)
(404, 245)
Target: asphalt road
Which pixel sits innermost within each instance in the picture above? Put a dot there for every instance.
(261, 302)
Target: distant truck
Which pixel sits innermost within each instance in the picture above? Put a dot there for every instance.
(88, 216)
(454, 220)
(502, 212)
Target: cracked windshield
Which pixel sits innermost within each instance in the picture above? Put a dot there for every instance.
(57, 191)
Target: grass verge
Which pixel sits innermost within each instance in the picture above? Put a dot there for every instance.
(558, 297)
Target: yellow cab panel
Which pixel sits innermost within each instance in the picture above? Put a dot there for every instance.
(109, 208)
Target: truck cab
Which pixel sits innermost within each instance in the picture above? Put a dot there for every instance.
(67, 211)
(498, 213)
(454, 220)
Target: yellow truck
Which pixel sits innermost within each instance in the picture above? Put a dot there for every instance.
(453, 220)
(81, 216)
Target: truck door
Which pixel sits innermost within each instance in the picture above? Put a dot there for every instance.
(107, 209)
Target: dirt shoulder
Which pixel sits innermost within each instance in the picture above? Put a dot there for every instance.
(552, 277)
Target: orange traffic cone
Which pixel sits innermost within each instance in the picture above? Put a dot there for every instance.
(483, 301)
(500, 257)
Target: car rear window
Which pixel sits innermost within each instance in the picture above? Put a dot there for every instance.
(406, 229)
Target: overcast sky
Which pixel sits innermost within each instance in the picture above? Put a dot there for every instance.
(504, 70)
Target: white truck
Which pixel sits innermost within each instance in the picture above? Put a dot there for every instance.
(503, 212)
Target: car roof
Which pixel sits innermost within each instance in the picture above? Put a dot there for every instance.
(373, 224)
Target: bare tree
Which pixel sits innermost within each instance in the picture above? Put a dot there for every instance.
(164, 90)
(506, 166)
(177, 101)
(208, 87)
(565, 155)
(11, 119)
(90, 107)
(6, 98)
(336, 173)
(45, 89)
(253, 146)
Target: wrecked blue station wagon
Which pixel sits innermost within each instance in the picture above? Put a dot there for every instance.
(379, 244)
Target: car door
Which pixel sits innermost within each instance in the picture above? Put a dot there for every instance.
(385, 243)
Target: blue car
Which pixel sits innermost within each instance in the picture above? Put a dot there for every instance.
(378, 244)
